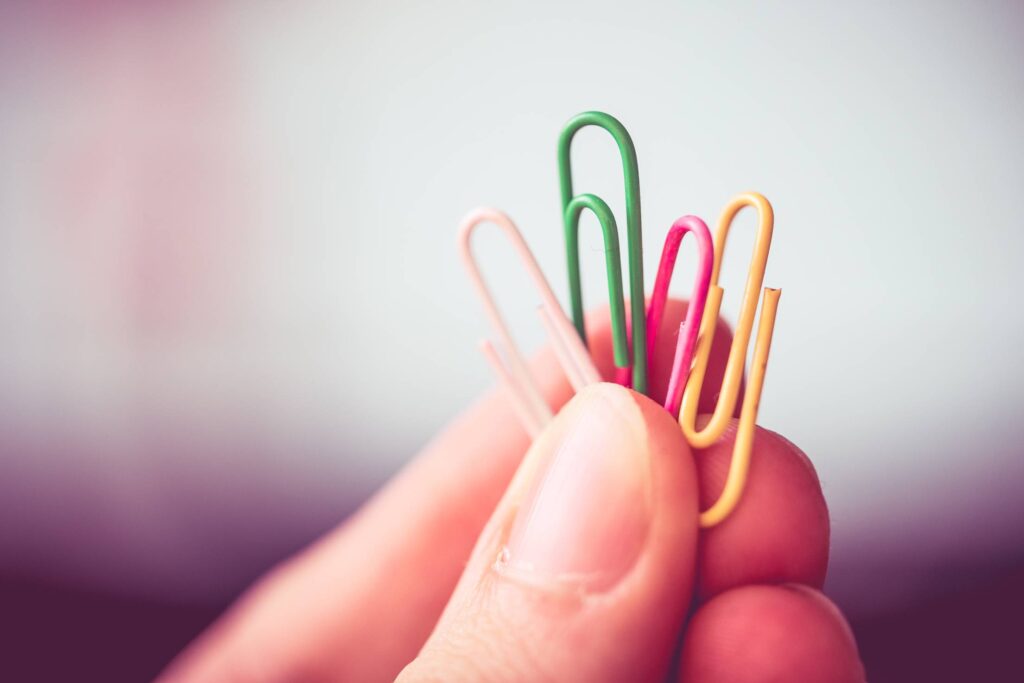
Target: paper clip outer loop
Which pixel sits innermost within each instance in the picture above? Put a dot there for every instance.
(514, 373)
(722, 414)
(690, 327)
(634, 240)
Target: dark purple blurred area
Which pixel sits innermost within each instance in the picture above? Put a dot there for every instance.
(60, 631)
(54, 632)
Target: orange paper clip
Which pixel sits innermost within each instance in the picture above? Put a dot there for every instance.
(722, 414)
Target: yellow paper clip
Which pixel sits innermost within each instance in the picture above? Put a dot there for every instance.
(722, 414)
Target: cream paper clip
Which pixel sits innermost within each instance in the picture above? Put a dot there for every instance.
(506, 358)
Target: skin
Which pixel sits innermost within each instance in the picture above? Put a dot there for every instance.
(407, 587)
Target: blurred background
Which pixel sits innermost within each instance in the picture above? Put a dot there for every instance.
(231, 304)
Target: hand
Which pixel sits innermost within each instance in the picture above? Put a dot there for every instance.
(588, 566)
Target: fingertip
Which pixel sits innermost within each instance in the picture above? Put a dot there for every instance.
(779, 532)
(770, 633)
(586, 569)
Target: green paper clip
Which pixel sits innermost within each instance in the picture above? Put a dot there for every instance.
(572, 209)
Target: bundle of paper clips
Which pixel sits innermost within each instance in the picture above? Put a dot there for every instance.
(696, 332)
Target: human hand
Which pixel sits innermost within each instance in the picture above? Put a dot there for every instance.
(588, 566)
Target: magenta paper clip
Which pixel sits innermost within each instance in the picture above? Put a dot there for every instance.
(690, 327)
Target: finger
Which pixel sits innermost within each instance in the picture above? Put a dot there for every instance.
(779, 531)
(332, 608)
(769, 633)
(359, 603)
(585, 571)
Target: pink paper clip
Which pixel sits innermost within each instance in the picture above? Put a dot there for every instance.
(690, 327)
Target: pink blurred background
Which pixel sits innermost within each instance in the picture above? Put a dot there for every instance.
(229, 304)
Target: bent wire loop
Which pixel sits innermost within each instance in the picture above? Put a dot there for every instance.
(722, 414)
(689, 328)
(507, 360)
(572, 209)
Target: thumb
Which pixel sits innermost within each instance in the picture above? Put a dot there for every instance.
(585, 570)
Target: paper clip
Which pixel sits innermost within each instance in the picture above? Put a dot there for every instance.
(572, 208)
(722, 414)
(689, 328)
(513, 373)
